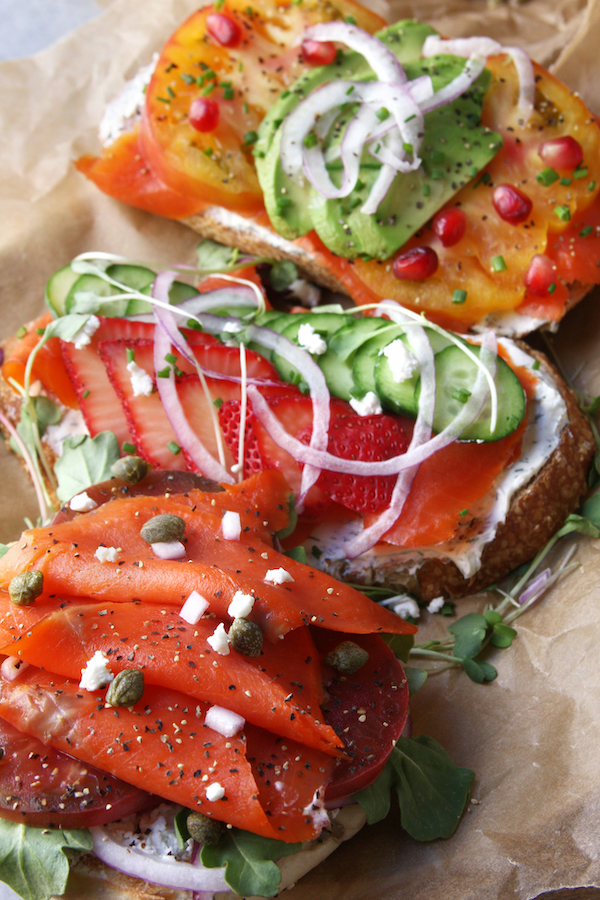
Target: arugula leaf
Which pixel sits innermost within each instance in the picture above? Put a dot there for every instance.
(416, 678)
(84, 462)
(432, 790)
(248, 860)
(469, 632)
(213, 257)
(34, 862)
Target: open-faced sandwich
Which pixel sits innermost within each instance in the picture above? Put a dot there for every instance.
(419, 460)
(187, 712)
(456, 177)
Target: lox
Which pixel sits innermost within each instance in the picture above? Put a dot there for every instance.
(485, 215)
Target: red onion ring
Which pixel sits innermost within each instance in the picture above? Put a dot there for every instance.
(169, 873)
(380, 58)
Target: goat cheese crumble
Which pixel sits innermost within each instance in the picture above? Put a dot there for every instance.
(107, 554)
(309, 340)
(369, 405)
(82, 502)
(141, 382)
(241, 605)
(96, 673)
(402, 361)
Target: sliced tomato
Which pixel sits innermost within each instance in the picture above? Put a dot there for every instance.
(368, 710)
(45, 788)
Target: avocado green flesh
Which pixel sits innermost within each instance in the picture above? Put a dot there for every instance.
(455, 149)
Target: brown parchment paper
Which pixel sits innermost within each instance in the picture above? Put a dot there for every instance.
(533, 735)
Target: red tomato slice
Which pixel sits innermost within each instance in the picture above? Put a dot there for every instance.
(216, 166)
(368, 710)
(45, 788)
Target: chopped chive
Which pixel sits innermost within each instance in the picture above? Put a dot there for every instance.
(459, 296)
(164, 373)
(310, 140)
(407, 147)
(170, 92)
(547, 177)
(563, 213)
(130, 354)
(498, 264)
(208, 89)
(250, 137)
(164, 99)
(208, 151)
(463, 513)
(171, 358)
(174, 447)
(85, 395)
(566, 181)
(128, 448)
(551, 287)
(437, 174)
(218, 402)
(210, 73)
(585, 232)
(40, 331)
(580, 173)
(536, 365)
(350, 20)
(382, 114)
(426, 190)
(350, 90)
(228, 93)
(21, 332)
(189, 79)
(245, 108)
(410, 118)
(240, 66)
(462, 395)
(591, 185)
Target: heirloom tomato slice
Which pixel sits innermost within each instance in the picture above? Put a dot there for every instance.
(243, 80)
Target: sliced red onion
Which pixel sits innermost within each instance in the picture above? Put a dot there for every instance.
(170, 873)
(224, 721)
(168, 549)
(380, 58)
(535, 588)
(231, 525)
(194, 608)
(482, 47)
(319, 394)
(12, 667)
(166, 334)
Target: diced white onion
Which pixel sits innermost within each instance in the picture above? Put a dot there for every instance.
(224, 721)
(194, 608)
(12, 667)
(231, 525)
(168, 549)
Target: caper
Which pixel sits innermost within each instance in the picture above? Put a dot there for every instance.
(130, 469)
(126, 689)
(203, 829)
(163, 529)
(246, 637)
(347, 658)
(24, 588)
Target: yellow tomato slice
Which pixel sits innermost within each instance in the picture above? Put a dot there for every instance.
(217, 166)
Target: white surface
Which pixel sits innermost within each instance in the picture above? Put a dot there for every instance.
(31, 25)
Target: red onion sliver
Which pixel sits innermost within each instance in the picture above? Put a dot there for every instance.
(535, 587)
(12, 667)
(166, 872)
(224, 721)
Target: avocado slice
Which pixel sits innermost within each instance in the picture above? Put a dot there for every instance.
(456, 147)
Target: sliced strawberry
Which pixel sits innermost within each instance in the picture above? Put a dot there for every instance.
(150, 430)
(370, 439)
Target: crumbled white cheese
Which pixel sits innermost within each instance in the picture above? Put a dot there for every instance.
(86, 332)
(231, 525)
(435, 605)
(154, 834)
(107, 554)
(215, 791)
(72, 424)
(241, 605)
(369, 405)
(82, 502)
(309, 340)
(141, 382)
(122, 112)
(403, 363)
(194, 608)
(404, 606)
(96, 673)
(317, 812)
(278, 576)
(233, 327)
(219, 640)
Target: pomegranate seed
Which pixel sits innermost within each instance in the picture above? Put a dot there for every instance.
(449, 225)
(204, 114)
(540, 276)
(415, 264)
(511, 204)
(223, 30)
(318, 53)
(561, 153)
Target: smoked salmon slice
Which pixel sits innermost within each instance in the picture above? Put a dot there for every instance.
(177, 655)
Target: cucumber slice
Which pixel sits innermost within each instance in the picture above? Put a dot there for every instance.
(75, 301)
(455, 377)
(58, 288)
(349, 338)
(276, 321)
(363, 365)
(338, 374)
(397, 397)
(324, 324)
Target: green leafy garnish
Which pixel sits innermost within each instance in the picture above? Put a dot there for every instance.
(432, 790)
(85, 461)
(282, 274)
(35, 861)
(213, 257)
(249, 862)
